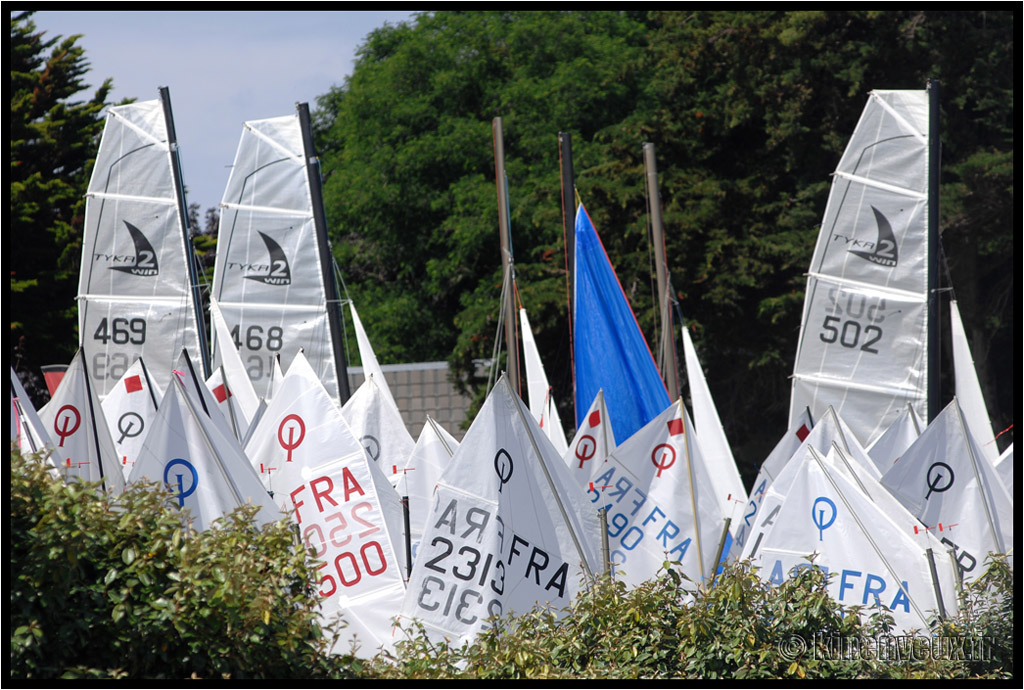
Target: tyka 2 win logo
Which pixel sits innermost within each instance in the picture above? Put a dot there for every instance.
(280, 272)
(143, 262)
(883, 252)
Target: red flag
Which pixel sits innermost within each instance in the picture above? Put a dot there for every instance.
(221, 393)
(802, 432)
(595, 418)
(675, 427)
(133, 384)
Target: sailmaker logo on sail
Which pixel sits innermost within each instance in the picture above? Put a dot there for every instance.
(145, 263)
(280, 272)
(884, 252)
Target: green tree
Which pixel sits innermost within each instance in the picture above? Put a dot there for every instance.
(749, 112)
(53, 141)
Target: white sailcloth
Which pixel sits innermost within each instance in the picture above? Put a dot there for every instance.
(378, 425)
(130, 408)
(508, 530)
(430, 458)
(366, 355)
(872, 560)
(863, 341)
(267, 279)
(205, 469)
(76, 422)
(542, 404)
(725, 476)
(661, 505)
(134, 294)
(27, 430)
(1004, 469)
(900, 435)
(944, 481)
(346, 510)
(772, 466)
(968, 390)
(593, 443)
(234, 374)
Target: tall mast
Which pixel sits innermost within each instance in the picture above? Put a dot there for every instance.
(193, 271)
(568, 176)
(667, 349)
(506, 255)
(934, 315)
(324, 247)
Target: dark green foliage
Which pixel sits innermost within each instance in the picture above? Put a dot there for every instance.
(53, 142)
(749, 113)
(743, 628)
(124, 588)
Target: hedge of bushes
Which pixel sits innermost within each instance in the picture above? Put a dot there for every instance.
(124, 588)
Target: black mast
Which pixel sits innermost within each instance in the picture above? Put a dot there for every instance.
(186, 231)
(934, 316)
(324, 247)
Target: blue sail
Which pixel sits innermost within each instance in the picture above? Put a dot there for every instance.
(610, 352)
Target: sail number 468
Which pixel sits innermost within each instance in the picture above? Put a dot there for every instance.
(254, 339)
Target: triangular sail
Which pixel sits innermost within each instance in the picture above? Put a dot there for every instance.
(371, 367)
(593, 443)
(542, 405)
(610, 352)
(130, 409)
(75, 421)
(234, 373)
(135, 292)
(270, 281)
(508, 530)
(968, 390)
(346, 511)
(863, 342)
(27, 429)
(378, 425)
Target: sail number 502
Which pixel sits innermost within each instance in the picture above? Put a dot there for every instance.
(850, 334)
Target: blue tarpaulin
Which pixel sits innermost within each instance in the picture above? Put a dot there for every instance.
(610, 352)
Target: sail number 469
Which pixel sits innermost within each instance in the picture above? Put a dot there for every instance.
(121, 331)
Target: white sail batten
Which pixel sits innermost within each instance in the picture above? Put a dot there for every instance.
(268, 280)
(863, 343)
(135, 296)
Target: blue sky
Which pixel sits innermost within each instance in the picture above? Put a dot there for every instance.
(222, 68)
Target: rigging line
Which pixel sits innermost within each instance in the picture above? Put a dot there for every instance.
(651, 269)
(496, 350)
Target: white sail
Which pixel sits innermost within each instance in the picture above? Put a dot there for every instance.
(968, 390)
(378, 425)
(863, 341)
(661, 506)
(430, 458)
(593, 443)
(234, 373)
(135, 295)
(872, 560)
(27, 429)
(269, 279)
(205, 469)
(346, 510)
(366, 355)
(900, 435)
(75, 421)
(542, 405)
(725, 476)
(508, 530)
(130, 408)
(946, 484)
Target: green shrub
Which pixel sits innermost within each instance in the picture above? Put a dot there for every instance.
(122, 586)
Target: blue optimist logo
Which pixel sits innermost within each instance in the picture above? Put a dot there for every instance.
(191, 483)
(823, 514)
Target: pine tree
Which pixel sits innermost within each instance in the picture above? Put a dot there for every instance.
(53, 141)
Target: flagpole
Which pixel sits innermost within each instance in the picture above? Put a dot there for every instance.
(668, 342)
(506, 254)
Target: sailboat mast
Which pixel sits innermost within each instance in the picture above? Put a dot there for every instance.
(668, 341)
(934, 313)
(324, 250)
(568, 176)
(179, 194)
(506, 255)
